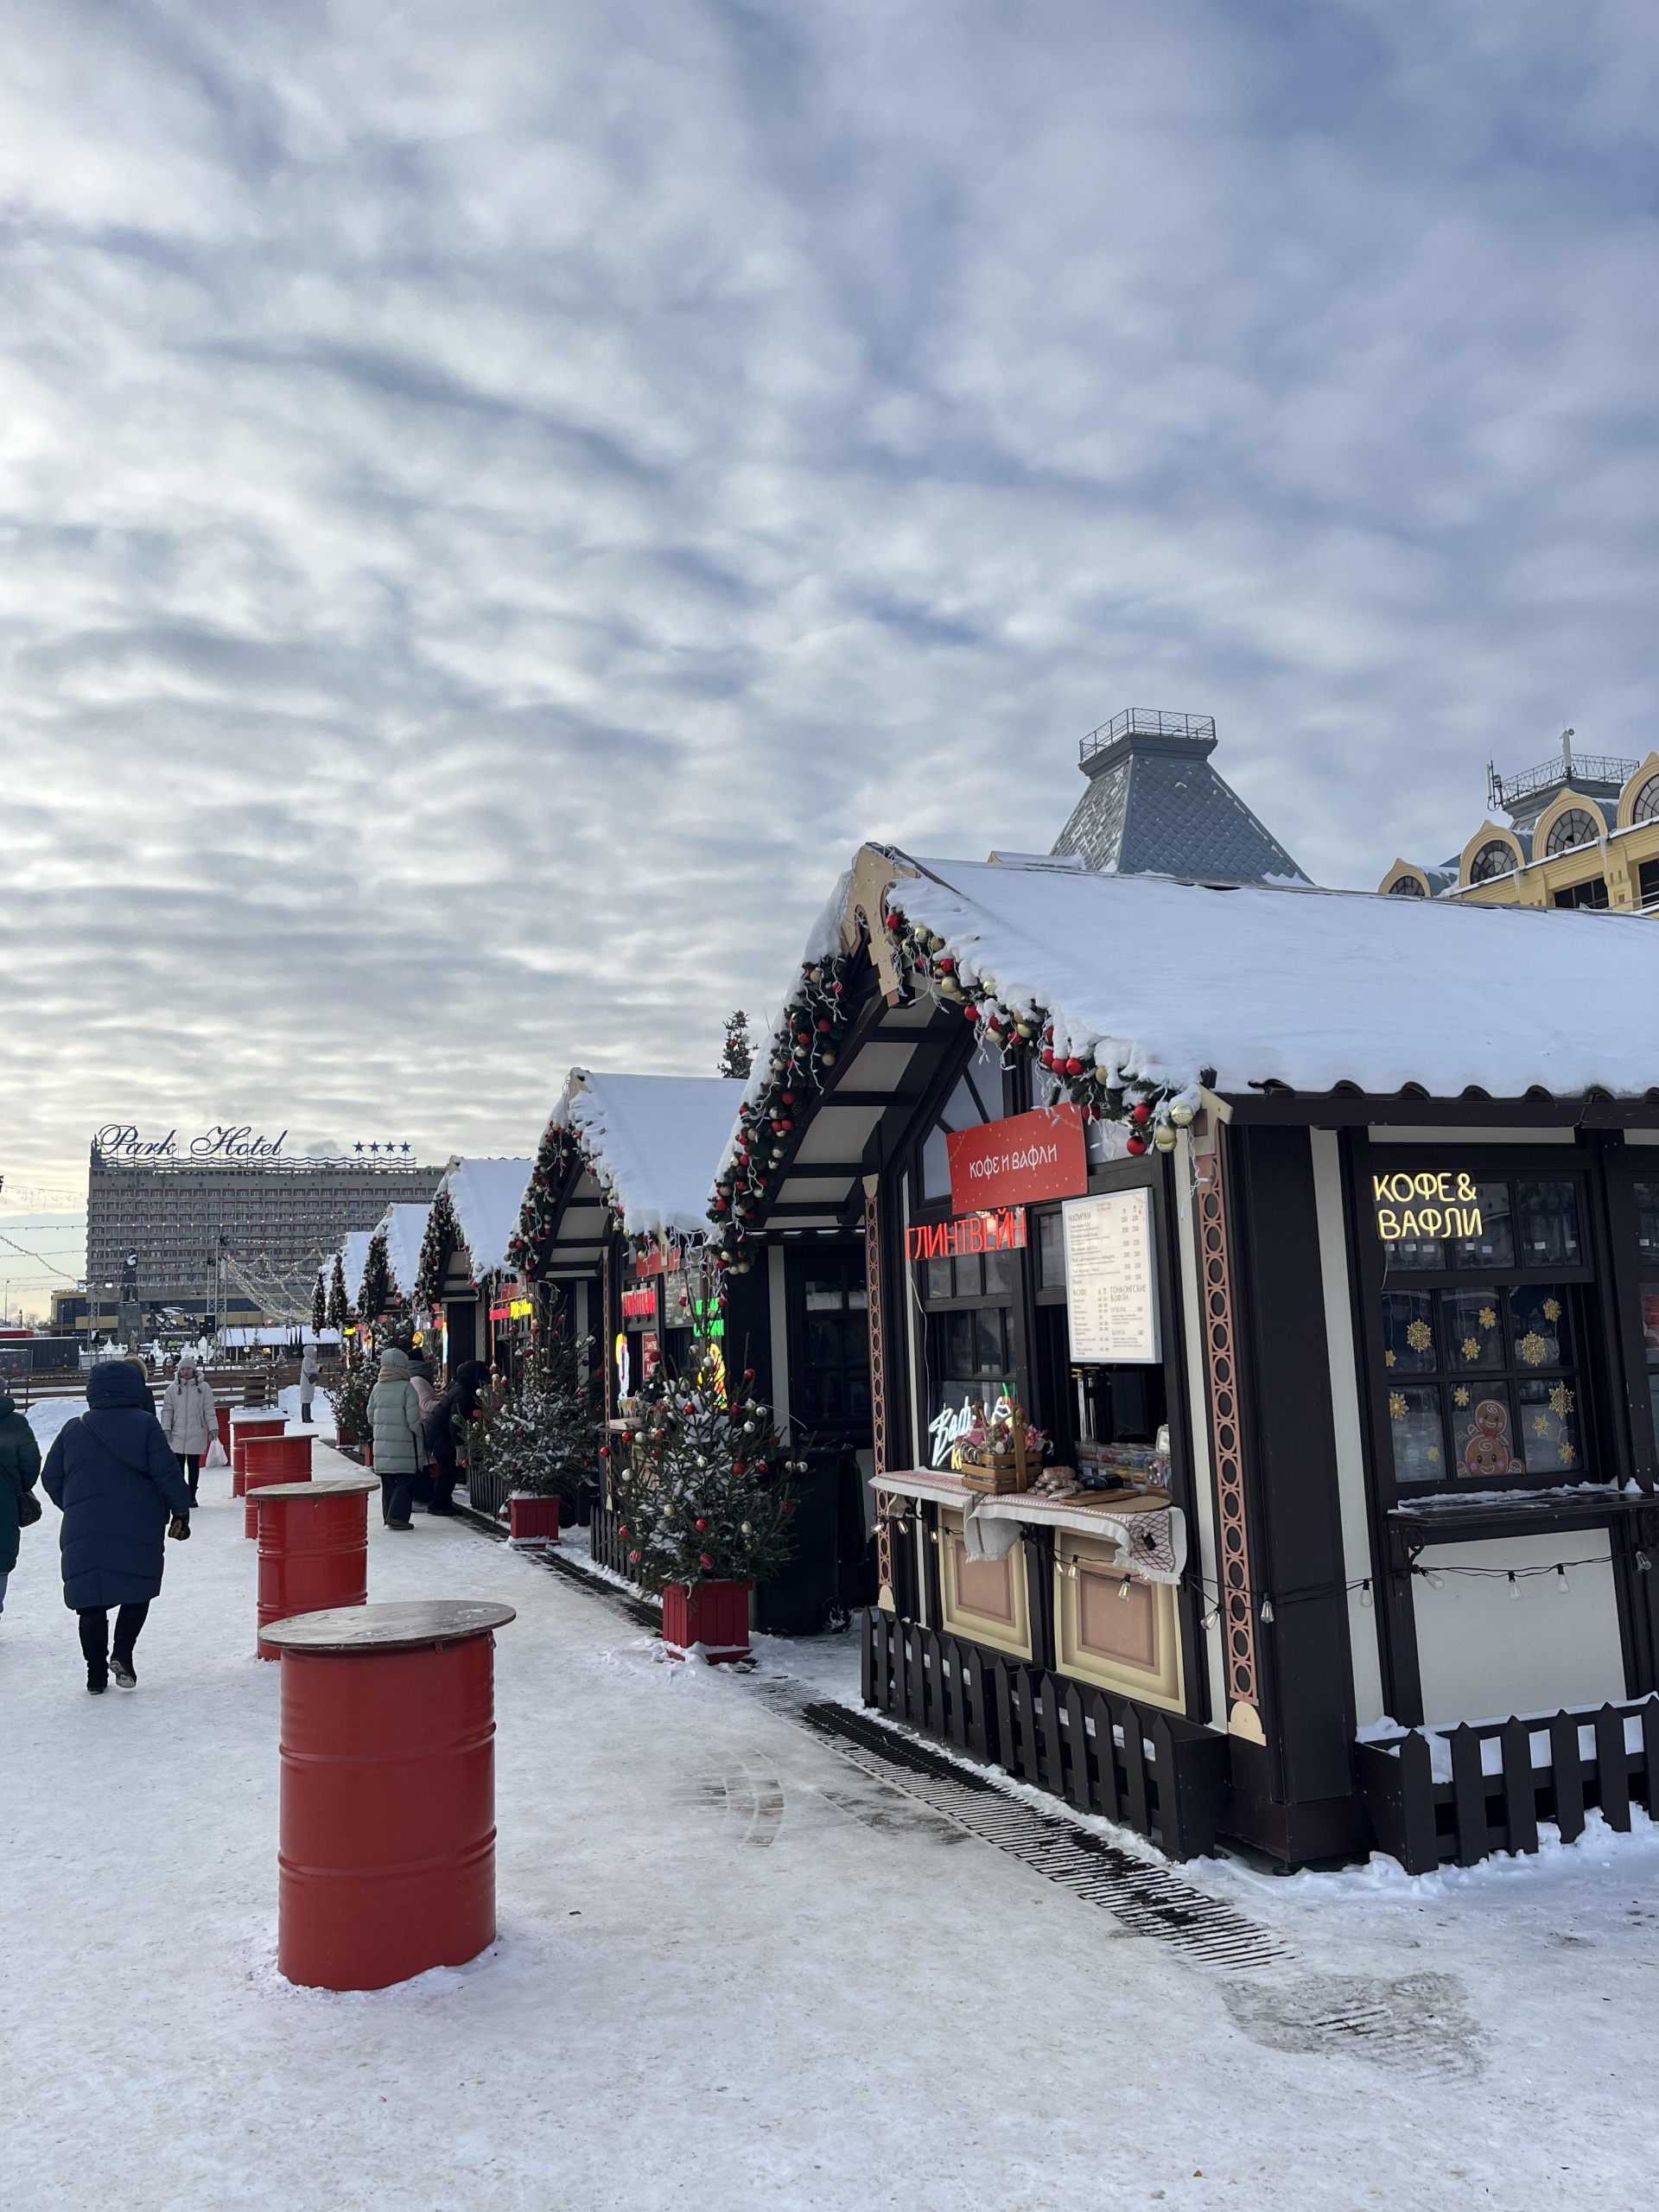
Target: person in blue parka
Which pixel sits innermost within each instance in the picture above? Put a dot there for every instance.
(115, 1481)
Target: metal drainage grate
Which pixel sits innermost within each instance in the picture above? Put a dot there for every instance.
(639, 1611)
(1145, 1898)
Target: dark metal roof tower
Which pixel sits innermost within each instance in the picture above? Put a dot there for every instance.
(1155, 806)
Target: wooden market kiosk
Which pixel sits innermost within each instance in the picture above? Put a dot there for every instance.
(465, 1278)
(1343, 1318)
(613, 1229)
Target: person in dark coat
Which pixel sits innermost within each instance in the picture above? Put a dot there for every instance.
(20, 1463)
(447, 1431)
(116, 1483)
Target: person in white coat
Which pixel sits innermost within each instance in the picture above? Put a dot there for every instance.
(309, 1367)
(188, 1421)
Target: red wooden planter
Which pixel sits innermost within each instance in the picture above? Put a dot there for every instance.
(533, 1522)
(714, 1614)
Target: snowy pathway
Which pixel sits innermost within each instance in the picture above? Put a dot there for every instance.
(736, 1969)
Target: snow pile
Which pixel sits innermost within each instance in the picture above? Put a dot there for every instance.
(486, 1195)
(1159, 980)
(654, 1142)
(50, 1417)
(402, 1227)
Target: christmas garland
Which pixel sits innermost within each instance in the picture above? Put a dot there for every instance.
(1094, 1081)
(557, 1150)
(442, 1233)
(804, 1045)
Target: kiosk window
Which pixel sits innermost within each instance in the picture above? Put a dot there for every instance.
(1481, 1366)
(1647, 1242)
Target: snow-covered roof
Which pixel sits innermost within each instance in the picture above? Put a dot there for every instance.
(486, 1195)
(655, 1141)
(403, 1227)
(1303, 987)
(355, 1257)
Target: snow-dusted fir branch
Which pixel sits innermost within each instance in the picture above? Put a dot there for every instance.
(442, 1235)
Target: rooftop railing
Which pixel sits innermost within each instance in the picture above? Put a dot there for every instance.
(1146, 721)
(1579, 769)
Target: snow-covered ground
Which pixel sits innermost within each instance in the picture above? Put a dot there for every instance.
(736, 1969)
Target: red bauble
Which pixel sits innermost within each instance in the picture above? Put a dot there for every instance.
(972, 1012)
(702, 1528)
(1047, 1056)
(705, 1561)
(1074, 1066)
(1142, 1113)
(1136, 1145)
(604, 1450)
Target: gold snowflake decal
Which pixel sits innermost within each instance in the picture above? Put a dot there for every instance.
(1566, 1455)
(1560, 1400)
(1541, 1424)
(1433, 1455)
(1532, 1349)
(1387, 1359)
(1397, 1404)
(1552, 1309)
(1460, 1396)
(1488, 1319)
(1418, 1336)
(1472, 1347)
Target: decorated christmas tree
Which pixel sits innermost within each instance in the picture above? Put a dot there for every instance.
(703, 1487)
(542, 1439)
(318, 1308)
(735, 1057)
(351, 1395)
(340, 1306)
(376, 1293)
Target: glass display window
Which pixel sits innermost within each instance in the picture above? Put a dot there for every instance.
(1482, 1334)
(831, 1383)
(1646, 1246)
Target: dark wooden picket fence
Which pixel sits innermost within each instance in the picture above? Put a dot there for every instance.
(1425, 1823)
(606, 1547)
(1155, 1772)
(487, 1493)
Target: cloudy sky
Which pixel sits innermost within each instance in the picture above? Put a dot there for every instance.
(496, 500)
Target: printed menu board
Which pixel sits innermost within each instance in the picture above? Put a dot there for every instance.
(1111, 1291)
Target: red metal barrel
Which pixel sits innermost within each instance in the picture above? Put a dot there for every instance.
(386, 1864)
(313, 1547)
(273, 1460)
(244, 1429)
(222, 1414)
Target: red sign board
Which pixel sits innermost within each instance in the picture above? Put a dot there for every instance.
(1001, 1231)
(639, 1304)
(1019, 1162)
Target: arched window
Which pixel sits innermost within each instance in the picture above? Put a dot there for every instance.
(1578, 826)
(1495, 858)
(1407, 886)
(1647, 802)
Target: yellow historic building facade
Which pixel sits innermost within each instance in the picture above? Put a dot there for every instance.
(1582, 831)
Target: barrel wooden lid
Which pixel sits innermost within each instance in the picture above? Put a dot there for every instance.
(388, 1628)
(239, 1413)
(324, 1486)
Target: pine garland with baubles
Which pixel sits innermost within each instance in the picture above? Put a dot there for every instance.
(703, 1485)
(1101, 1089)
(805, 1046)
(442, 1235)
(553, 1156)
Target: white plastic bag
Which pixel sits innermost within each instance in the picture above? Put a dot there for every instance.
(214, 1455)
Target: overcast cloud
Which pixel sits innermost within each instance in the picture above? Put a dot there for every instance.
(496, 500)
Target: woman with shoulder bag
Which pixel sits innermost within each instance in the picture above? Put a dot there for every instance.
(113, 1478)
(20, 1463)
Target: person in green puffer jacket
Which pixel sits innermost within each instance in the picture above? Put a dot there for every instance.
(20, 1467)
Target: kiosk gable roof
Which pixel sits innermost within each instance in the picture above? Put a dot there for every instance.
(1303, 987)
(404, 1227)
(353, 1258)
(657, 1139)
(486, 1195)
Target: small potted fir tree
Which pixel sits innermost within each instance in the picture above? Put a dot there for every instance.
(706, 1502)
(539, 1443)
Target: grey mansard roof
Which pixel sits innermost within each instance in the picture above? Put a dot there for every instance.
(1155, 806)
